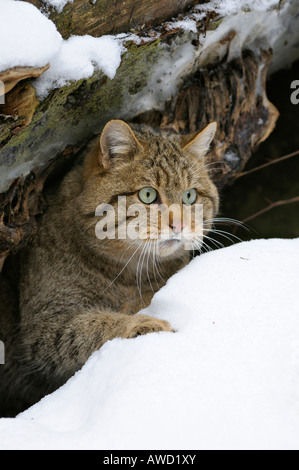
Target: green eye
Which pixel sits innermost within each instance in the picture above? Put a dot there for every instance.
(189, 197)
(148, 195)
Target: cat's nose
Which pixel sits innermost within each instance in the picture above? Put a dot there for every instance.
(177, 227)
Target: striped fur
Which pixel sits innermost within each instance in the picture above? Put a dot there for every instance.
(76, 292)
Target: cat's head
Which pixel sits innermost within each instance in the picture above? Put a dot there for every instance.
(134, 176)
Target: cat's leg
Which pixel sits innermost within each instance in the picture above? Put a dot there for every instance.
(65, 341)
(134, 306)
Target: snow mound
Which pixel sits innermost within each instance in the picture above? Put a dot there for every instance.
(18, 48)
(79, 57)
(28, 38)
(228, 7)
(227, 379)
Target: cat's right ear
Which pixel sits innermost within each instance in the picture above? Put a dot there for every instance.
(199, 143)
(117, 143)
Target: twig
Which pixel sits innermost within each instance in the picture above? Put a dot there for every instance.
(272, 162)
(270, 207)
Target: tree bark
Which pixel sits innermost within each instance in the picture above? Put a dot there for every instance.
(113, 16)
(212, 85)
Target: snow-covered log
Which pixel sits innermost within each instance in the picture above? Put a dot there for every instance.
(98, 17)
(209, 63)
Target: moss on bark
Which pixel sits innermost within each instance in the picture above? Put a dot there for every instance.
(73, 114)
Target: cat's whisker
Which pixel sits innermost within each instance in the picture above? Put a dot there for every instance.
(90, 225)
(194, 165)
(158, 257)
(139, 272)
(153, 254)
(207, 166)
(195, 247)
(157, 261)
(206, 246)
(228, 221)
(224, 234)
(216, 243)
(155, 268)
(200, 242)
(194, 244)
(147, 266)
(197, 171)
(122, 270)
(213, 164)
(143, 264)
(130, 245)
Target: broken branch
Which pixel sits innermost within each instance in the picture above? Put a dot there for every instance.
(270, 207)
(265, 165)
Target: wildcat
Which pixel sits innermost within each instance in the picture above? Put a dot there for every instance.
(75, 292)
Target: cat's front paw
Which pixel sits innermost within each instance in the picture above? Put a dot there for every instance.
(143, 324)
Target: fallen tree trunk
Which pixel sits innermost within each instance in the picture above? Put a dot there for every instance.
(173, 77)
(112, 17)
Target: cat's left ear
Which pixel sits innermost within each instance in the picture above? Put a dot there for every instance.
(200, 143)
(117, 142)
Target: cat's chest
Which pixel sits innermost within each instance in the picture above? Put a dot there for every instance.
(125, 294)
(129, 298)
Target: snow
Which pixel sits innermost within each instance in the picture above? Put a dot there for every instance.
(58, 4)
(186, 25)
(17, 47)
(224, 8)
(227, 379)
(228, 7)
(166, 77)
(77, 58)
(80, 56)
(183, 59)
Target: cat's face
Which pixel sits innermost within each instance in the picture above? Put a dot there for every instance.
(153, 193)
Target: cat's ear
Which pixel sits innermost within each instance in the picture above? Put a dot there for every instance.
(117, 142)
(199, 144)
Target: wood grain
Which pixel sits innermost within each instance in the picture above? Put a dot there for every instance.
(113, 16)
